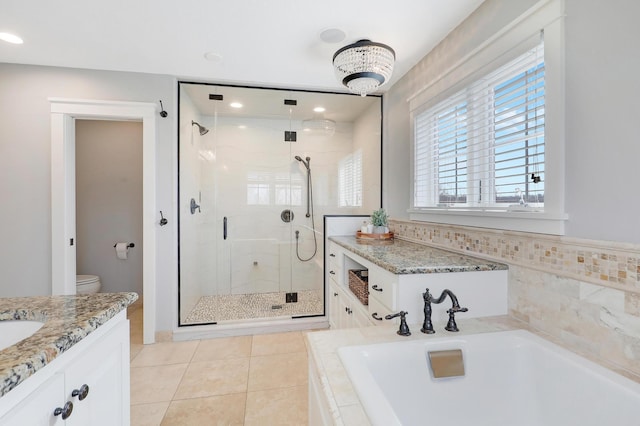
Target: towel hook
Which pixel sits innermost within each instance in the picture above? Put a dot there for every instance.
(130, 245)
(163, 221)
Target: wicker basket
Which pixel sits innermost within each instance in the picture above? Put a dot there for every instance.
(358, 284)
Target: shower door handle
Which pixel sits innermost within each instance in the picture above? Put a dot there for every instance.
(224, 228)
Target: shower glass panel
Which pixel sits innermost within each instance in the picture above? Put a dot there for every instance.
(254, 185)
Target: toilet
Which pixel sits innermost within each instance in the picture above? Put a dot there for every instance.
(87, 284)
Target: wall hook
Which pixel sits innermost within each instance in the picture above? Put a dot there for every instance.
(163, 221)
(193, 206)
(163, 113)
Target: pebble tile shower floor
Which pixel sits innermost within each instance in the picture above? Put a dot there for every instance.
(254, 306)
(246, 380)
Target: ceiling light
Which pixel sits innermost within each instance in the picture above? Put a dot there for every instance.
(320, 126)
(319, 109)
(332, 35)
(213, 57)
(364, 66)
(11, 38)
(235, 105)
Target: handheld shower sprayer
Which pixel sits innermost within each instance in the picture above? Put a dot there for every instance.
(306, 163)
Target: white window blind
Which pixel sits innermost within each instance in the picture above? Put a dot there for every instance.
(483, 147)
(350, 180)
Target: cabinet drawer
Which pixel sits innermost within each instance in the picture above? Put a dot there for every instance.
(377, 312)
(382, 286)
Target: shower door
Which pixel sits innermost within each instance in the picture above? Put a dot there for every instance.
(248, 251)
(254, 185)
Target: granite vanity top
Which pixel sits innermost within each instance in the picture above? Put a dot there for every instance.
(67, 320)
(404, 257)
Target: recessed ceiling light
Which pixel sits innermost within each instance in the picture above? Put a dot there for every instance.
(332, 35)
(235, 105)
(319, 109)
(11, 38)
(242, 126)
(213, 57)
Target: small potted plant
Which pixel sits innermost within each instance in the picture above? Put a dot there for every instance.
(379, 220)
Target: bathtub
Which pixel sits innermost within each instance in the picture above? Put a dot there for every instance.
(511, 378)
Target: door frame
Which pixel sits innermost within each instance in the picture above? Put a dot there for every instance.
(64, 112)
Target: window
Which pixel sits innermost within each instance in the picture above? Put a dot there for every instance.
(350, 180)
(483, 147)
(258, 189)
(286, 190)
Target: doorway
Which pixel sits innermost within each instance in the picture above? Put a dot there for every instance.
(109, 203)
(64, 112)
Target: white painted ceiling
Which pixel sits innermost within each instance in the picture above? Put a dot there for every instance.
(270, 43)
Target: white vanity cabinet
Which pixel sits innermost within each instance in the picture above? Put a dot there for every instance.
(98, 363)
(484, 292)
(345, 310)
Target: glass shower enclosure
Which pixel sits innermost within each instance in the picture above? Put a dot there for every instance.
(258, 169)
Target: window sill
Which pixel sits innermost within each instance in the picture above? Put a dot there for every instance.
(524, 221)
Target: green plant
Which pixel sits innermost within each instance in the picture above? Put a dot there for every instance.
(379, 218)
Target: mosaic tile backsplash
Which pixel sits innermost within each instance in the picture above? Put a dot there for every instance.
(585, 292)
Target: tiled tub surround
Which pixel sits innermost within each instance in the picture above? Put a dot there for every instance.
(584, 292)
(404, 257)
(327, 372)
(67, 320)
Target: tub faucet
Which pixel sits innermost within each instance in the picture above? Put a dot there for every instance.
(427, 326)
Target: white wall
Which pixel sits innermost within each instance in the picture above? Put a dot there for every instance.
(366, 137)
(601, 107)
(603, 147)
(25, 158)
(109, 202)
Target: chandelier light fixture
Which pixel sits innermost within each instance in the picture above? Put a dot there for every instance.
(364, 66)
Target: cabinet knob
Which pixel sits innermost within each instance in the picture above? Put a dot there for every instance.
(332, 273)
(375, 287)
(335, 294)
(81, 393)
(65, 411)
(332, 255)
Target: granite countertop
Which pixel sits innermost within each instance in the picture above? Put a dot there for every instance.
(404, 257)
(67, 320)
(336, 387)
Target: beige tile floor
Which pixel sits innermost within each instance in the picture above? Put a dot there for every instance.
(248, 380)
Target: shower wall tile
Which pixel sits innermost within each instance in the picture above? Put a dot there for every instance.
(585, 292)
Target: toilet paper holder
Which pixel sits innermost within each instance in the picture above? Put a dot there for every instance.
(130, 245)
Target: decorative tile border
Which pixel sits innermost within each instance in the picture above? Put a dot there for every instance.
(585, 293)
(610, 264)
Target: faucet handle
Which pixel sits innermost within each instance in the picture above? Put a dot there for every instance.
(404, 328)
(451, 324)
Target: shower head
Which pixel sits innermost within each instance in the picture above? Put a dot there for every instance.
(306, 163)
(203, 130)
